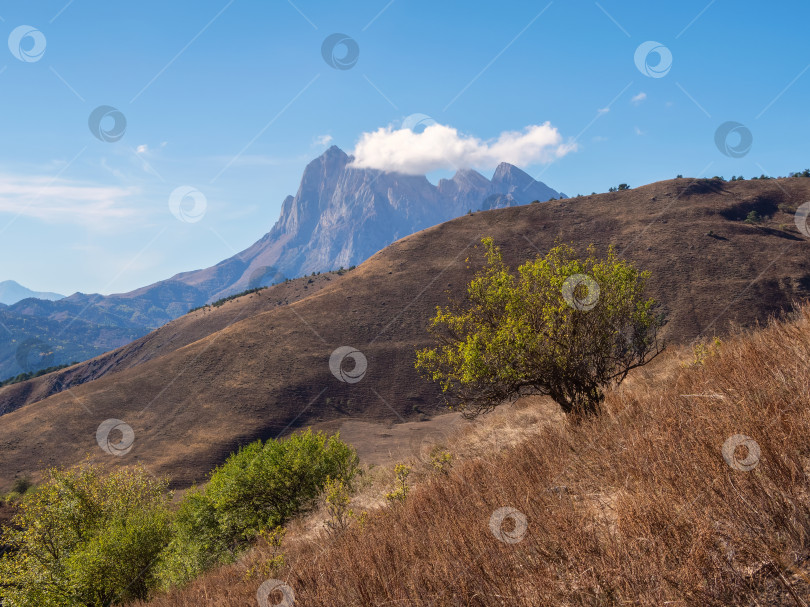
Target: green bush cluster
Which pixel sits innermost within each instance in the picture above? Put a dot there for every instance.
(92, 538)
(260, 487)
(85, 538)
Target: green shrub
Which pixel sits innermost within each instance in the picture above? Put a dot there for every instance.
(258, 488)
(753, 217)
(337, 497)
(196, 543)
(561, 326)
(401, 488)
(264, 484)
(85, 538)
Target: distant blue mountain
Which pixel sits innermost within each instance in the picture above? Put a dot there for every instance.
(11, 292)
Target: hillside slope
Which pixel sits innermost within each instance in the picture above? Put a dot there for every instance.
(269, 373)
(178, 333)
(689, 490)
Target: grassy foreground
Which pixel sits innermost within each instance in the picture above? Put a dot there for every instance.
(691, 489)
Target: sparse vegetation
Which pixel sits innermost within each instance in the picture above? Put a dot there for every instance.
(219, 302)
(336, 497)
(401, 487)
(562, 326)
(32, 374)
(753, 217)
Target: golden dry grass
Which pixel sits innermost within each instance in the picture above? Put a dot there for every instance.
(638, 506)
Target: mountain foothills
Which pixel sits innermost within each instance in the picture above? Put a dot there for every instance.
(339, 217)
(264, 364)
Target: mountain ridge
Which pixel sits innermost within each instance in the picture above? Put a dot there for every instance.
(258, 368)
(339, 217)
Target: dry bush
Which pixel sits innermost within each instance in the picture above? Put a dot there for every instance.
(638, 506)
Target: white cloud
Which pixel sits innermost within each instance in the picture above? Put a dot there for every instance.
(322, 140)
(142, 149)
(639, 98)
(442, 147)
(603, 110)
(639, 131)
(61, 201)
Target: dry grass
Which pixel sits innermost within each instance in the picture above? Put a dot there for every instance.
(636, 507)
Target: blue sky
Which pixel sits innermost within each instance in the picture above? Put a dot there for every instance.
(233, 98)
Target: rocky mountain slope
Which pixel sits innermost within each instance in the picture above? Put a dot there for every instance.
(340, 215)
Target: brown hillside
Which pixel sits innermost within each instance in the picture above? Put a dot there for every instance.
(168, 338)
(268, 373)
(690, 490)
